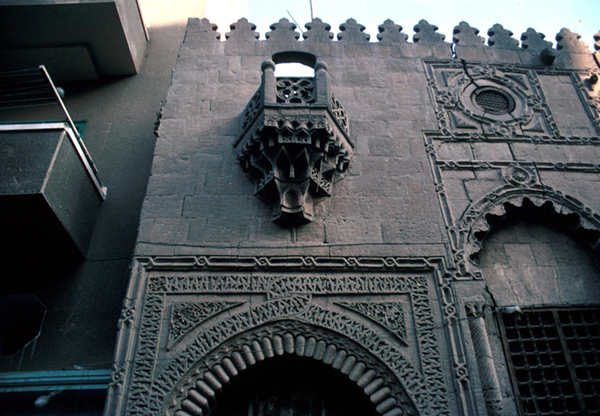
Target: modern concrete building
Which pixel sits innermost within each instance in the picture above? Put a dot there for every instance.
(69, 218)
(413, 229)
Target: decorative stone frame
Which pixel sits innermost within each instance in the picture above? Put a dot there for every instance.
(154, 376)
(473, 223)
(210, 376)
(518, 101)
(454, 85)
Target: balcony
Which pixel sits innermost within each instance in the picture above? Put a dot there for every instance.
(294, 143)
(50, 193)
(75, 40)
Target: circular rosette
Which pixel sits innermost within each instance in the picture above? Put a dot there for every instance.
(501, 129)
(520, 176)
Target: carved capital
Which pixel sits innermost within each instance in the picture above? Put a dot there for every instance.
(294, 143)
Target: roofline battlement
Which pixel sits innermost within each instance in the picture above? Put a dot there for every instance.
(466, 43)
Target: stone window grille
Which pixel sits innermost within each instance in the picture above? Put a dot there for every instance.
(554, 360)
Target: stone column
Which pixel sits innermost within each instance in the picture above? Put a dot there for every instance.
(485, 360)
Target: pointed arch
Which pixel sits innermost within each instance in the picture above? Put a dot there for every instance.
(577, 219)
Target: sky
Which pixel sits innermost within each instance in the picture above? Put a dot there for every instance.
(545, 16)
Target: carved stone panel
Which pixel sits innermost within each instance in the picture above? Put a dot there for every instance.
(194, 324)
(488, 102)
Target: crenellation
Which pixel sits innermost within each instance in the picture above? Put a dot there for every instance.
(283, 31)
(352, 33)
(465, 35)
(391, 33)
(534, 41)
(501, 38)
(317, 31)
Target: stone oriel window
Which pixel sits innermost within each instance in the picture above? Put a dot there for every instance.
(294, 140)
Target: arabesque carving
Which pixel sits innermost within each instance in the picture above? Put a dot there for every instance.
(210, 377)
(293, 155)
(160, 378)
(388, 314)
(186, 315)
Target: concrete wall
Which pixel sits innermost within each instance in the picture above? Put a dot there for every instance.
(84, 301)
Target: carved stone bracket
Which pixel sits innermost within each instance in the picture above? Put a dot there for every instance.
(294, 143)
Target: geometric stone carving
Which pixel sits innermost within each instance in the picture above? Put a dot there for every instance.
(317, 31)
(426, 34)
(466, 35)
(520, 176)
(352, 32)
(388, 314)
(502, 38)
(187, 315)
(294, 143)
(481, 99)
(280, 341)
(390, 33)
(283, 31)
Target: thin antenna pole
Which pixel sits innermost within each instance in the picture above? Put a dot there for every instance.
(312, 15)
(295, 21)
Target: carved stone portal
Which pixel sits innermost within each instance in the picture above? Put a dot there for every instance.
(294, 143)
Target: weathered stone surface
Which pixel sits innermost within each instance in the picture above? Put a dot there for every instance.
(283, 31)
(318, 31)
(534, 41)
(204, 31)
(352, 33)
(501, 38)
(465, 35)
(462, 169)
(426, 34)
(391, 33)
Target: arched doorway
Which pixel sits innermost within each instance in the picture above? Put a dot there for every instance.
(270, 367)
(291, 386)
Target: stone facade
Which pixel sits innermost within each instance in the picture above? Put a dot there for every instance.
(431, 193)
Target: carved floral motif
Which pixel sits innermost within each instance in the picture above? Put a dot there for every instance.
(289, 297)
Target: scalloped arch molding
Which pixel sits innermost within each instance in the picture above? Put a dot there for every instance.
(208, 383)
(474, 221)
